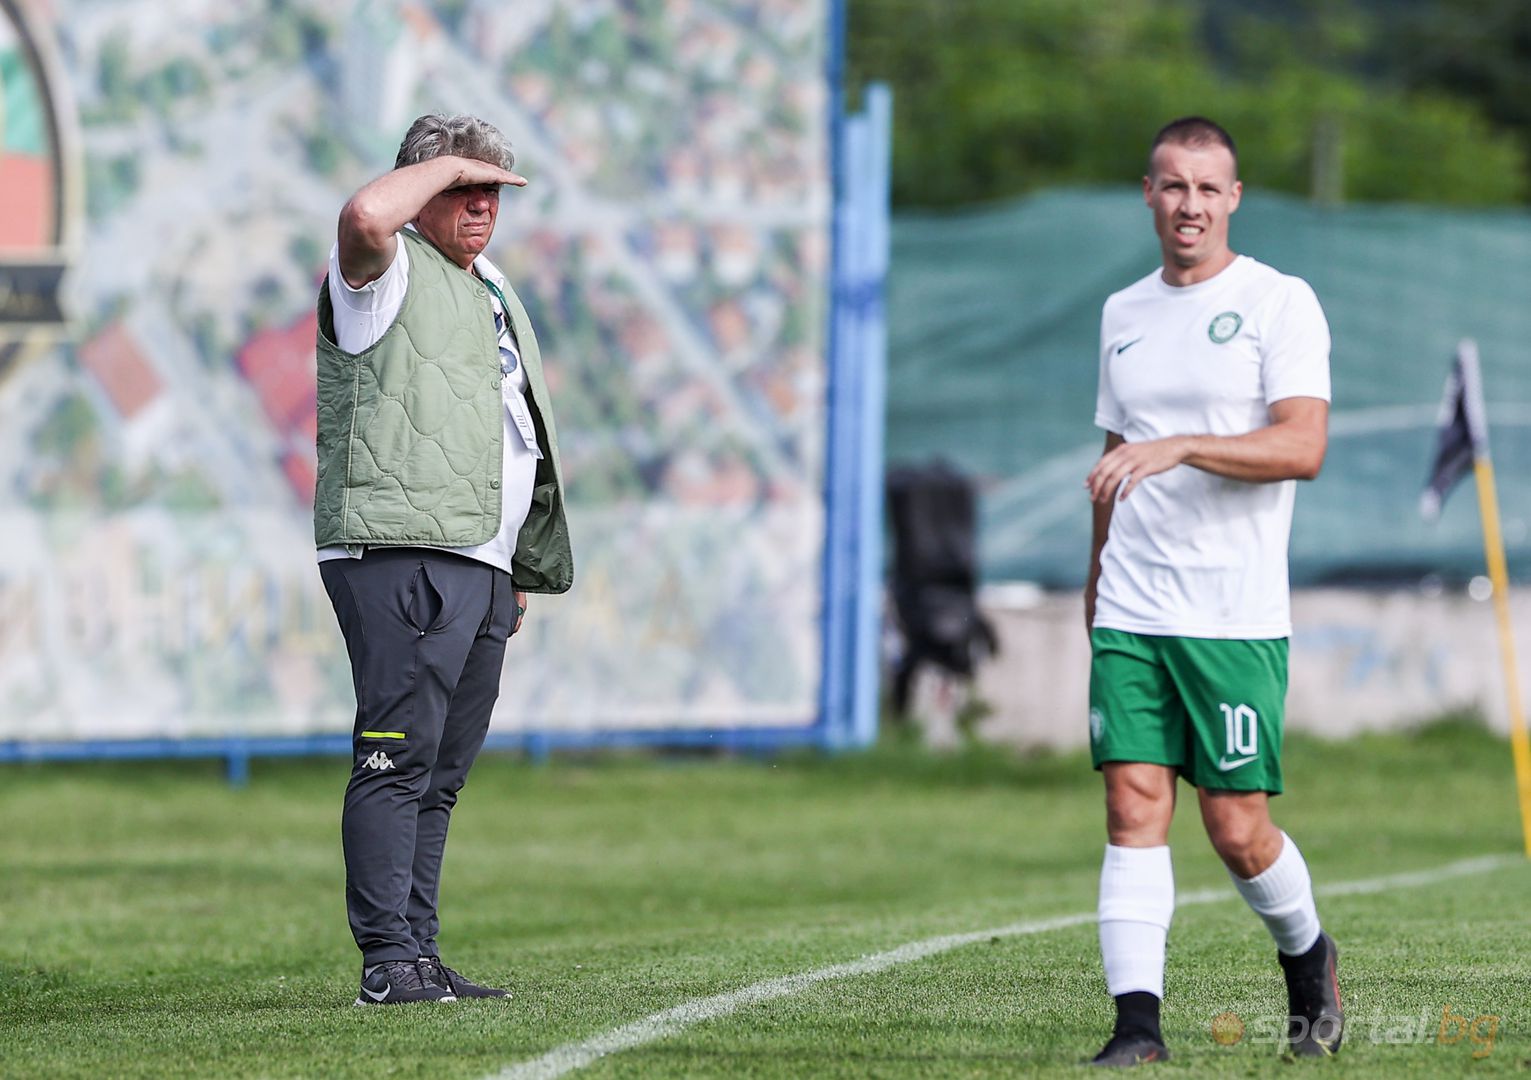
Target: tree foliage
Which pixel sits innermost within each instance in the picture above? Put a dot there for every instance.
(1477, 50)
(995, 99)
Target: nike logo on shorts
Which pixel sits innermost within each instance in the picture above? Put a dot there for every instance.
(1224, 765)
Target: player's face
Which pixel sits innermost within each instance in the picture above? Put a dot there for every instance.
(460, 221)
(1192, 192)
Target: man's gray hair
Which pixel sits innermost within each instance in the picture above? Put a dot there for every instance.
(463, 136)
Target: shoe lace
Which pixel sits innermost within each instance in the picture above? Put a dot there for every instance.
(404, 975)
(433, 969)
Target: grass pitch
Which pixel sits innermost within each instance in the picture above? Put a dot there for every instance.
(158, 923)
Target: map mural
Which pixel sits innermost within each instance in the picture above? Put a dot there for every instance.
(181, 163)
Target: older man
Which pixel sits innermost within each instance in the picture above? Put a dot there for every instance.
(439, 507)
(1214, 393)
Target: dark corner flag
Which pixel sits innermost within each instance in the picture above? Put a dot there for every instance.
(1462, 432)
(1462, 446)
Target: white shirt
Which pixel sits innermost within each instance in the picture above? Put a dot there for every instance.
(363, 315)
(1190, 553)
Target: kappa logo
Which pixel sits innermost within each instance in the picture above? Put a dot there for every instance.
(379, 761)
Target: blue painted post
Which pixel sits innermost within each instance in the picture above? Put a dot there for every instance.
(237, 763)
(857, 393)
(833, 623)
(872, 266)
(845, 422)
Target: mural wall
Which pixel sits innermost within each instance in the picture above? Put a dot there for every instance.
(170, 175)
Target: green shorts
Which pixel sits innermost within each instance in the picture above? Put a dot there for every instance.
(1211, 708)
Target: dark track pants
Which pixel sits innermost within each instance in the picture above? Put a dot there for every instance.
(426, 634)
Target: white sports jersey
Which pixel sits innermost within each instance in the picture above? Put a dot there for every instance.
(1190, 553)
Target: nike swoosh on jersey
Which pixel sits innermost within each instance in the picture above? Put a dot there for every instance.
(1123, 348)
(1224, 765)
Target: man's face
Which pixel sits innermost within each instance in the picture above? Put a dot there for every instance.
(1192, 192)
(460, 221)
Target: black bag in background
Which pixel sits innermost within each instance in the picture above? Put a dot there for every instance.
(935, 573)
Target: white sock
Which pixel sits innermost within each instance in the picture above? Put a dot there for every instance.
(1282, 895)
(1137, 899)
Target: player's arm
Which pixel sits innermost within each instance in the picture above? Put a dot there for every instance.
(1290, 447)
(1099, 530)
(372, 217)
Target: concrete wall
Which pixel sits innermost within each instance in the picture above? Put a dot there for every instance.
(1360, 661)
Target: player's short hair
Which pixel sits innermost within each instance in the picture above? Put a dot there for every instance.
(1196, 132)
(463, 136)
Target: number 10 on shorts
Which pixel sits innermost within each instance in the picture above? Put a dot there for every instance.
(1242, 725)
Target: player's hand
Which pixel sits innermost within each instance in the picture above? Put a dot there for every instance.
(520, 610)
(471, 171)
(1129, 464)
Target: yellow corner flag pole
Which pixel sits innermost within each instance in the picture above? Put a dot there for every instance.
(1462, 440)
(1499, 576)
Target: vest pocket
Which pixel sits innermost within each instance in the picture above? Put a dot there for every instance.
(542, 559)
(537, 529)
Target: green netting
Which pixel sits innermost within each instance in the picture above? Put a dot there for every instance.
(993, 320)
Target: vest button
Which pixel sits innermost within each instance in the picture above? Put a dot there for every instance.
(495, 484)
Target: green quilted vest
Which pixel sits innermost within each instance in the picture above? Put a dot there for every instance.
(411, 431)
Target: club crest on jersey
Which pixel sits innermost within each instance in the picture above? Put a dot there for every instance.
(1223, 327)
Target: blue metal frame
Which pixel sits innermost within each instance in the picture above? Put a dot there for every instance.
(237, 753)
(857, 393)
(833, 622)
(869, 146)
(859, 149)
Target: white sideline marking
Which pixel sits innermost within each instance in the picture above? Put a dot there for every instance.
(576, 1055)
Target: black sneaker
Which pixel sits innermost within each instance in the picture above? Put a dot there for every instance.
(1315, 1019)
(1128, 1048)
(397, 982)
(436, 972)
